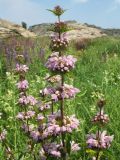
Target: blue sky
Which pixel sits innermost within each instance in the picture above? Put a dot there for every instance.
(104, 13)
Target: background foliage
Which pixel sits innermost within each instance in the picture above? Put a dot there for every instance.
(97, 73)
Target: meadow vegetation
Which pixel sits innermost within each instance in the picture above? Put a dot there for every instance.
(96, 74)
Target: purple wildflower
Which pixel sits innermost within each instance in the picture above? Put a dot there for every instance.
(27, 128)
(53, 79)
(69, 91)
(27, 100)
(54, 128)
(3, 135)
(65, 92)
(35, 135)
(45, 106)
(40, 117)
(101, 118)
(74, 147)
(25, 115)
(22, 85)
(47, 91)
(21, 68)
(70, 123)
(101, 141)
(59, 43)
(52, 149)
(61, 63)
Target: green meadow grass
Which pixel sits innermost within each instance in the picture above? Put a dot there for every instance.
(97, 73)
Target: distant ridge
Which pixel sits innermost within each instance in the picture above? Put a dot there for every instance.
(77, 30)
(107, 31)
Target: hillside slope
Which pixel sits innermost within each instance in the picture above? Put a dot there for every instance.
(77, 30)
(8, 29)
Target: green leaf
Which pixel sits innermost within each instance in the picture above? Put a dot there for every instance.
(91, 152)
(20, 156)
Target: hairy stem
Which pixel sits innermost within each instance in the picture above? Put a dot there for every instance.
(62, 105)
(98, 152)
(62, 119)
(52, 109)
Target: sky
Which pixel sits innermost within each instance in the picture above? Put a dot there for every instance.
(103, 13)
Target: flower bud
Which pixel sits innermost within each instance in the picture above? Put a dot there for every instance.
(101, 103)
(58, 11)
(20, 58)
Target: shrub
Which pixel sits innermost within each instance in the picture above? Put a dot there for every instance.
(82, 43)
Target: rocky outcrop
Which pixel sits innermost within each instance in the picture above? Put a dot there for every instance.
(8, 29)
(80, 31)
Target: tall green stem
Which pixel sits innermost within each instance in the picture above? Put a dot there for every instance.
(62, 118)
(62, 105)
(59, 23)
(97, 157)
(98, 152)
(52, 109)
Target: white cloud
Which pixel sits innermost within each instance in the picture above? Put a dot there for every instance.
(30, 11)
(80, 1)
